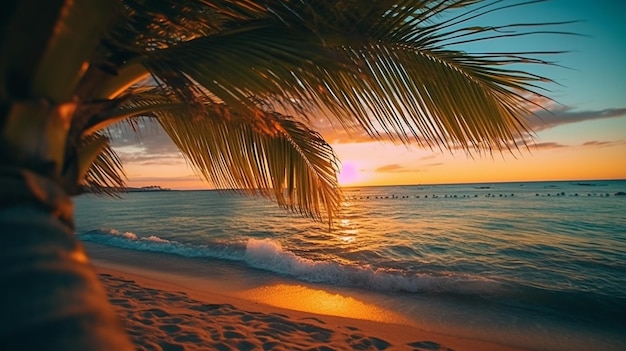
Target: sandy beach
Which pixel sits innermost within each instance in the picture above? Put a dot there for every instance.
(161, 311)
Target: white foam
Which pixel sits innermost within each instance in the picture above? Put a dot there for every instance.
(268, 254)
(156, 239)
(127, 235)
(153, 243)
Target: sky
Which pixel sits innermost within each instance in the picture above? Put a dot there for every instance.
(583, 137)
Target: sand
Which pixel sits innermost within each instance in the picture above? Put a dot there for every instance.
(161, 313)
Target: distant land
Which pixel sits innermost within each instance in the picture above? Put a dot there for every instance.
(144, 189)
(149, 188)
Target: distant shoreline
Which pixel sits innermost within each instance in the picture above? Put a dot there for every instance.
(114, 190)
(149, 188)
(579, 182)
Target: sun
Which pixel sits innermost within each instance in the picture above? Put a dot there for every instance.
(349, 173)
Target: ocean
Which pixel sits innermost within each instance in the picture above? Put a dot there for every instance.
(537, 264)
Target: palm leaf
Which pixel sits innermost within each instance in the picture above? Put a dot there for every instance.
(276, 156)
(386, 67)
(293, 165)
(387, 74)
(105, 174)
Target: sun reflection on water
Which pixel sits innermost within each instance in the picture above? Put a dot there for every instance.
(348, 239)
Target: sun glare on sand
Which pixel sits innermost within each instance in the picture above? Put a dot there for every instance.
(302, 298)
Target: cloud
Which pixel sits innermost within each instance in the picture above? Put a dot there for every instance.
(435, 164)
(391, 168)
(539, 103)
(548, 145)
(604, 143)
(397, 168)
(143, 158)
(542, 120)
(148, 145)
(429, 157)
(547, 120)
(148, 136)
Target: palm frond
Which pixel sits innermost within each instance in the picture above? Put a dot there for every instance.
(269, 154)
(226, 73)
(136, 101)
(293, 165)
(105, 174)
(382, 67)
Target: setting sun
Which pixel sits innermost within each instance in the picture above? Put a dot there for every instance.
(349, 173)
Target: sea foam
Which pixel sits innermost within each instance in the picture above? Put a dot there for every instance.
(269, 255)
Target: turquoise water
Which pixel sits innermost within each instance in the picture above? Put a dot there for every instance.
(544, 262)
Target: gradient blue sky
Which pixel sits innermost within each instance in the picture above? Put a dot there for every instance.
(584, 137)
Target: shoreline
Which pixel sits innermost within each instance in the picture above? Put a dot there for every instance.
(165, 310)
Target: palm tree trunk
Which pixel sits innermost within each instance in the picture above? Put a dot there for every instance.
(51, 298)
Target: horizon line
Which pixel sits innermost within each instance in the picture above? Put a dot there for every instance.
(421, 184)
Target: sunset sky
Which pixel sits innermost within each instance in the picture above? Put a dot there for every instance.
(584, 136)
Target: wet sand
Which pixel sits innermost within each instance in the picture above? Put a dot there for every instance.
(160, 312)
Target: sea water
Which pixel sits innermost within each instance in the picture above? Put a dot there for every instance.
(538, 264)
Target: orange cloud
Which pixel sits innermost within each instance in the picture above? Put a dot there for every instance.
(541, 120)
(391, 168)
(548, 145)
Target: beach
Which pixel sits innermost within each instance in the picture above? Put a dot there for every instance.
(161, 312)
(502, 266)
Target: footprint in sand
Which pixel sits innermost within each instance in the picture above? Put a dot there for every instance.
(170, 328)
(360, 342)
(428, 346)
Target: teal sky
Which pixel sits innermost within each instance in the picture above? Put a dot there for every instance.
(594, 77)
(597, 58)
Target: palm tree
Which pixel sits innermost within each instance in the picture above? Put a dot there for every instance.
(235, 84)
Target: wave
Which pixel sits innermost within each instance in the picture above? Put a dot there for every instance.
(153, 243)
(269, 255)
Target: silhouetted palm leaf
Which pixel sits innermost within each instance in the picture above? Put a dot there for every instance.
(104, 174)
(292, 163)
(389, 68)
(383, 67)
